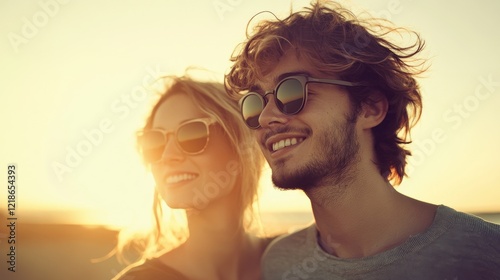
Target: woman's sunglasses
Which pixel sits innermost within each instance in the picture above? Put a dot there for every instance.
(290, 96)
(191, 137)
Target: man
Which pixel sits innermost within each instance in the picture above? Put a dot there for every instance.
(332, 103)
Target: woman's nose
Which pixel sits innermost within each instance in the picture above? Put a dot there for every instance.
(171, 152)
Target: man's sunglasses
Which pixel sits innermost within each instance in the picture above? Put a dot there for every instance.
(191, 137)
(290, 96)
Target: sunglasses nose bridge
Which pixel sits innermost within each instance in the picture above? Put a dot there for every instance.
(271, 113)
(268, 93)
(267, 99)
(171, 151)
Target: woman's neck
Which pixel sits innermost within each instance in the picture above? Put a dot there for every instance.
(218, 245)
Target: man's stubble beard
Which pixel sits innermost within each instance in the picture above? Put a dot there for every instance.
(333, 163)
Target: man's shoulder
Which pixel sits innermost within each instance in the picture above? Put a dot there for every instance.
(467, 224)
(298, 238)
(462, 234)
(290, 247)
(287, 251)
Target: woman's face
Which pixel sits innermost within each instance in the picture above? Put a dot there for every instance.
(192, 181)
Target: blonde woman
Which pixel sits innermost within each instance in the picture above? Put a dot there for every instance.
(205, 162)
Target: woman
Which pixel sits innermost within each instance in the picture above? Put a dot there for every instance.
(205, 162)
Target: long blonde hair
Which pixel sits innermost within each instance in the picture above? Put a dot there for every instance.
(212, 99)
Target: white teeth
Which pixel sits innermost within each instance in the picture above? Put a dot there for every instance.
(285, 143)
(179, 177)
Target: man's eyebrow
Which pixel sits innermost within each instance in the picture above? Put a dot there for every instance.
(258, 88)
(294, 73)
(255, 88)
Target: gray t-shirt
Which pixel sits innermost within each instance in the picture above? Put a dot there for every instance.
(456, 246)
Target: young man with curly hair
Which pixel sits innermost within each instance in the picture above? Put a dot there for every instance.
(332, 101)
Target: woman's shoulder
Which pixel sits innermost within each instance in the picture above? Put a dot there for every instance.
(151, 270)
(268, 239)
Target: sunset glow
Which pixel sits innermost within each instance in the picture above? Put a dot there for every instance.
(78, 82)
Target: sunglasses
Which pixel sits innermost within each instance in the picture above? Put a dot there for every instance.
(290, 96)
(191, 137)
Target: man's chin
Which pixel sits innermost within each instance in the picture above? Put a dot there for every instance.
(282, 187)
(294, 182)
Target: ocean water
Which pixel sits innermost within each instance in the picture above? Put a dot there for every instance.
(490, 217)
(282, 222)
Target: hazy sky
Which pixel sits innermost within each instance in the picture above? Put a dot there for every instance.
(73, 89)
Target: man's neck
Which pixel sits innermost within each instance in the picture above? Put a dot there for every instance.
(368, 216)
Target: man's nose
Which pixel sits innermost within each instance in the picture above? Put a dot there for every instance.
(271, 114)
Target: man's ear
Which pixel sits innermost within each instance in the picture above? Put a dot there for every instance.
(373, 111)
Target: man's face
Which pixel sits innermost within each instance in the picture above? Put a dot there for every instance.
(315, 147)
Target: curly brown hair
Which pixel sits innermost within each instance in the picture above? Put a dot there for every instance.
(338, 43)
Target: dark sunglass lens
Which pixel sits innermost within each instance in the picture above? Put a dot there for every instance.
(251, 107)
(290, 96)
(153, 144)
(192, 137)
